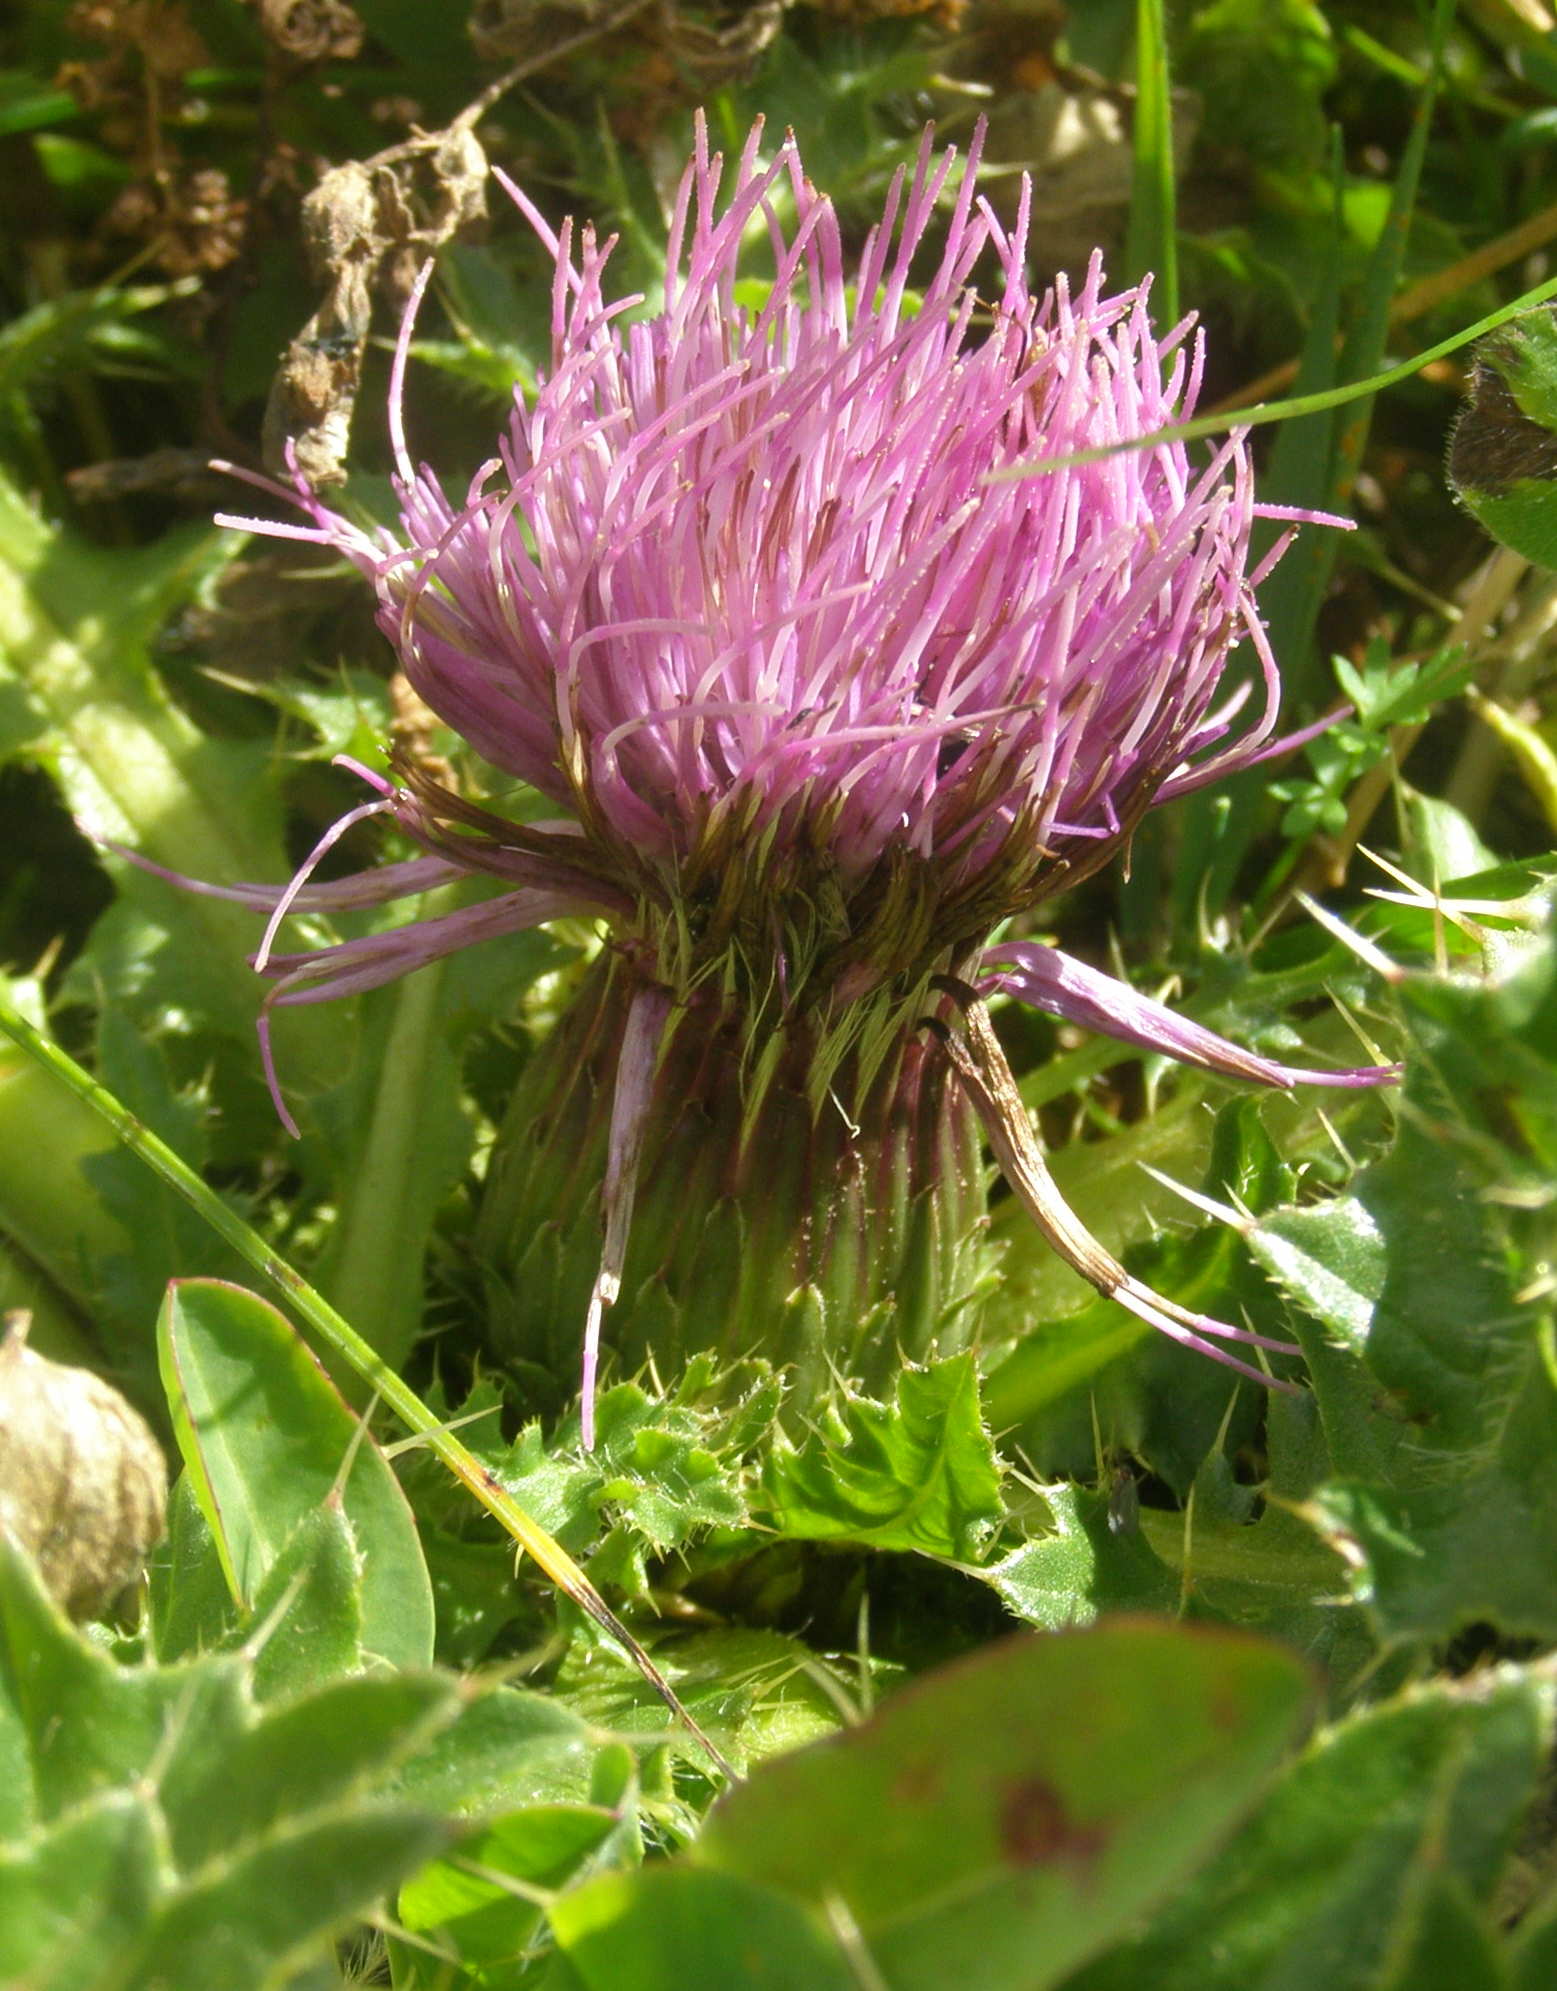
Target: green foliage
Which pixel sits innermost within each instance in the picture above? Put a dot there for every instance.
(267, 1442)
(486, 1905)
(395, 1135)
(1381, 695)
(1078, 1560)
(998, 1823)
(1314, 461)
(260, 1779)
(166, 1826)
(1151, 246)
(1391, 1826)
(79, 330)
(1428, 1362)
(1505, 443)
(1266, 65)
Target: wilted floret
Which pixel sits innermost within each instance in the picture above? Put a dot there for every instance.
(822, 693)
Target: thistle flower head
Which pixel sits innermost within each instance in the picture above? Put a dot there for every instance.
(744, 592)
(822, 691)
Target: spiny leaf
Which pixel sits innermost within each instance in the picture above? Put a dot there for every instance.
(918, 1473)
(1081, 1567)
(1440, 1417)
(178, 1833)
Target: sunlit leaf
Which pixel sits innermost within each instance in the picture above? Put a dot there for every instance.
(267, 1440)
(916, 1473)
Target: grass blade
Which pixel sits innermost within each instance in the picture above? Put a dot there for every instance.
(1151, 243)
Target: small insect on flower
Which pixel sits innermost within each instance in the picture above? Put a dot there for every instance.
(820, 698)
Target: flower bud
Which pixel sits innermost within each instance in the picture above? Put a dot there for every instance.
(83, 1483)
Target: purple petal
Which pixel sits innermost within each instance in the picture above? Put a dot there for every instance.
(1065, 987)
(332, 836)
(767, 568)
(363, 888)
(1202, 773)
(351, 966)
(981, 1066)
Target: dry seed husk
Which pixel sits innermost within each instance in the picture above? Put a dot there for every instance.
(83, 1483)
